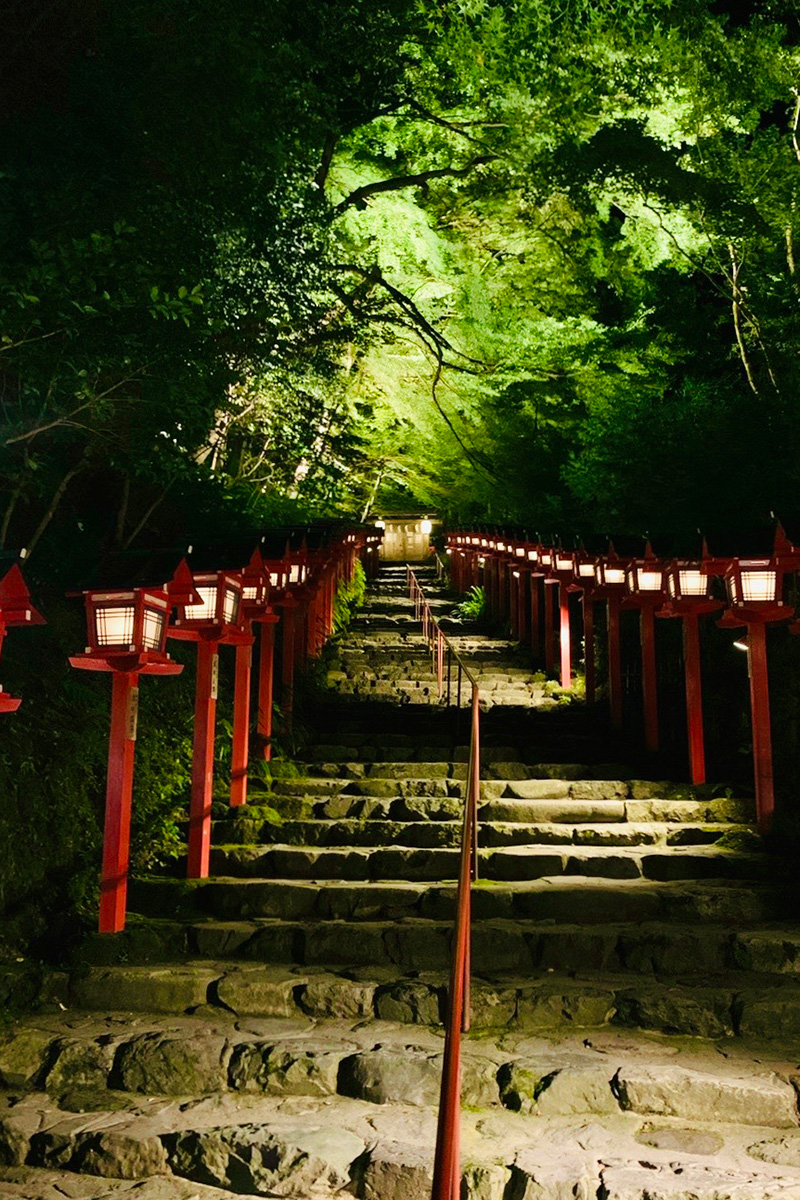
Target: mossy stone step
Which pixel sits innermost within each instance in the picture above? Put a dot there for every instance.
(721, 1005)
(569, 898)
(246, 830)
(657, 949)
(511, 863)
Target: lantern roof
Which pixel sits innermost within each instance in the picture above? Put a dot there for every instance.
(16, 607)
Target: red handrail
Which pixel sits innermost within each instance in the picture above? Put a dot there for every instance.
(447, 1159)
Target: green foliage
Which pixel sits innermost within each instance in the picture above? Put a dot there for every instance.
(473, 606)
(349, 596)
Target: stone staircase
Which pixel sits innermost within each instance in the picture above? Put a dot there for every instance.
(276, 1029)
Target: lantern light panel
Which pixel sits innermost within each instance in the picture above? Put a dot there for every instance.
(114, 624)
(647, 581)
(751, 584)
(206, 610)
(690, 583)
(533, 556)
(153, 623)
(586, 570)
(563, 564)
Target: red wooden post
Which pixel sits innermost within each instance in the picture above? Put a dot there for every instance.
(240, 749)
(205, 715)
(513, 597)
(588, 645)
(566, 648)
(289, 606)
(694, 696)
(536, 638)
(266, 666)
(119, 788)
(762, 738)
(549, 634)
(522, 607)
(649, 676)
(614, 662)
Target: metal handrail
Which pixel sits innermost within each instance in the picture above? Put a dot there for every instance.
(447, 1159)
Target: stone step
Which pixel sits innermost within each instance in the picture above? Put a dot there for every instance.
(568, 898)
(498, 804)
(688, 952)
(247, 830)
(704, 1004)
(514, 863)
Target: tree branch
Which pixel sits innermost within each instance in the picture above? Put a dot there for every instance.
(326, 160)
(360, 196)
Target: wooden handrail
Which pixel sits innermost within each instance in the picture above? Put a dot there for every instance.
(447, 1159)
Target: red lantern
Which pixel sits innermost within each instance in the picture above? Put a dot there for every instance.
(645, 583)
(611, 586)
(16, 608)
(754, 581)
(214, 618)
(126, 631)
(690, 596)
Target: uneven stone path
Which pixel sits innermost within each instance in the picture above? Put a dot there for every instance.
(276, 1029)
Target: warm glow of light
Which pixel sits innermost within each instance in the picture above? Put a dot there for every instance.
(516, 574)
(426, 526)
(501, 545)
(563, 564)
(380, 524)
(481, 561)
(693, 583)
(250, 592)
(546, 558)
(206, 610)
(153, 628)
(758, 585)
(533, 556)
(614, 575)
(586, 570)
(230, 606)
(650, 581)
(741, 645)
(114, 625)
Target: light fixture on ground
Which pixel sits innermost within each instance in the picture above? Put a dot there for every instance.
(689, 597)
(610, 585)
(644, 577)
(754, 581)
(214, 621)
(584, 578)
(126, 632)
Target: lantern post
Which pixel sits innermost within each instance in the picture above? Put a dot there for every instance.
(535, 574)
(214, 621)
(584, 574)
(755, 591)
(16, 608)
(277, 571)
(610, 581)
(563, 570)
(689, 596)
(520, 577)
(645, 583)
(255, 609)
(127, 630)
(546, 555)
